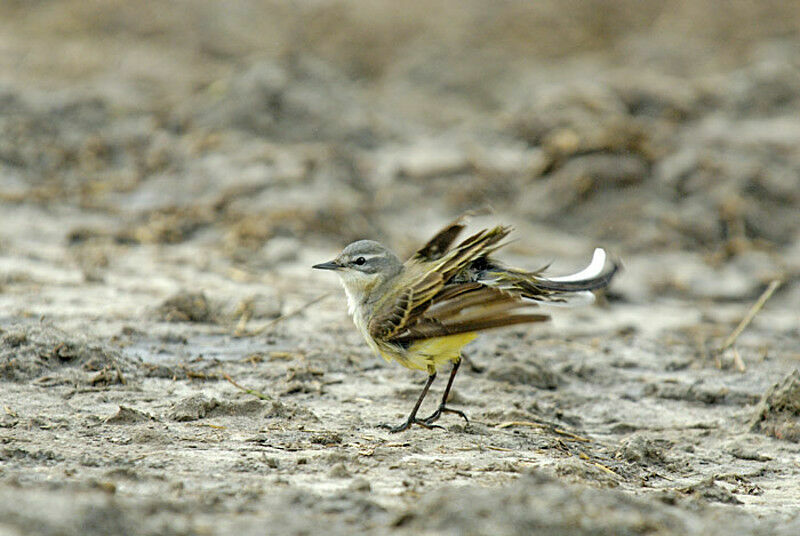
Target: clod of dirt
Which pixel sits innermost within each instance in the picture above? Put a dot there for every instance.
(79, 235)
(160, 371)
(532, 373)
(14, 338)
(259, 306)
(640, 449)
(744, 453)
(192, 408)
(239, 409)
(577, 470)
(252, 229)
(339, 471)
(578, 120)
(27, 352)
(360, 484)
(540, 505)
(286, 411)
(327, 438)
(778, 413)
(151, 437)
(8, 421)
(126, 415)
(167, 226)
(83, 513)
(584, 176)
(709, 490)
(697, 392)
(187, 307)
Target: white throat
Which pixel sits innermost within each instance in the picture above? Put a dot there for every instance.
(356, 288)
(353, 300)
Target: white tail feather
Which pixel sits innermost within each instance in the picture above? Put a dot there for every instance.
(594, 269)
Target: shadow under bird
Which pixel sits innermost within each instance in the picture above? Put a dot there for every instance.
(422, 312)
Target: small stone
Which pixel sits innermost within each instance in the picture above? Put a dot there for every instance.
(778, 413)
(339, 471)
(186, 307)
(126, 415)
(192, 408)
(360, 484)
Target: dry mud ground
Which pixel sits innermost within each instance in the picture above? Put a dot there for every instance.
(169, 364)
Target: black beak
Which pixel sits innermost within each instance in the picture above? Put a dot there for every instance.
(327, 266)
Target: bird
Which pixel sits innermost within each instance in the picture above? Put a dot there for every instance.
(422, 312)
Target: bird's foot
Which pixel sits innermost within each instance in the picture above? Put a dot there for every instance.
(433, 417)
(409, 423)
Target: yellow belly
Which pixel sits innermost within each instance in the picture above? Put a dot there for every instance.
(430, 354)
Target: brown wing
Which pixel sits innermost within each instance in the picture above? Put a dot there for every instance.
(392, 318)
(436, 304)
(439, 244)
(467, 308)
(478, 245)
(403, 311)
(459, 308)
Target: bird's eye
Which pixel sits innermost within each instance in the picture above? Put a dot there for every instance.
(359, 261)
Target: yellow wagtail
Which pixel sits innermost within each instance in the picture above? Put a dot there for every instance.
(422, 312)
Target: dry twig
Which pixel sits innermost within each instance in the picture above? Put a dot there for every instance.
(252, 392)
(751, 314)
(274, 322)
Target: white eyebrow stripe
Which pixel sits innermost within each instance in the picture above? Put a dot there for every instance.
(594, 269)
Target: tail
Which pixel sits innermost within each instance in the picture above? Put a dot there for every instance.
(572, 289)
(592, 277)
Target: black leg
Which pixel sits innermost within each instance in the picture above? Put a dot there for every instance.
(443, 406)
(412, 418)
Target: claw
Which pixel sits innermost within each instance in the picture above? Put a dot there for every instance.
(433, 417)
(406, 425)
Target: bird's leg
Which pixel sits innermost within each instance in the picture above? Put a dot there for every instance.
(443, 406)
(412, 418)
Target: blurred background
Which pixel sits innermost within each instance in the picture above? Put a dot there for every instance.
(170, 170)
(269, 132)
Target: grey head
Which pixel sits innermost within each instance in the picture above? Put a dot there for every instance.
(366, 257)
(365, 268)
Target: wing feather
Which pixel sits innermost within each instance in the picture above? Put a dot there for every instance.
(462, 290)
(440, 243)
(402, 311)
(478, 245)
(407, 317)
(458, 308)
(430, 329)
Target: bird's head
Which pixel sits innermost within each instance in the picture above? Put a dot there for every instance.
(363, 266)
